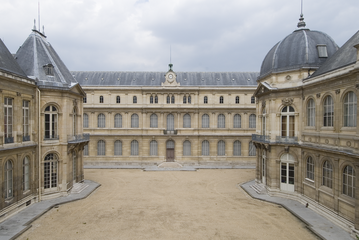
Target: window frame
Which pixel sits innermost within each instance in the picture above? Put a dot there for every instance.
(101, 120)
(350, 110)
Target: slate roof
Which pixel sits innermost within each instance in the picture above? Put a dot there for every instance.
(93, 78)
(7, 61)
(297, 50)
(346, 55)
(34, 54)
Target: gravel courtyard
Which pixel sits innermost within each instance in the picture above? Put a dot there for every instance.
(132, 204)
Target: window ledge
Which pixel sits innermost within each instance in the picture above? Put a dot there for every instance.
(326, 190)
(347, 199)
(309, 180)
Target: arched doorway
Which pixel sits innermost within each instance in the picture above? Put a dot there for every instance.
(287, 172)
(170, 151)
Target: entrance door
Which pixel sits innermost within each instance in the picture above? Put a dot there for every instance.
(287, 173)
(170, 151)
(264, 159)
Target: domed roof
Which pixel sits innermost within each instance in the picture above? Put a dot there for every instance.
(298, 50)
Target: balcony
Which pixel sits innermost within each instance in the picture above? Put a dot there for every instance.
(9, 140)
(291, 140)
(170, 132)
(25, 138)
(260, 138)
(78, 138)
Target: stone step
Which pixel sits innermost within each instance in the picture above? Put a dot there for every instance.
(259, 188)
(78, 187)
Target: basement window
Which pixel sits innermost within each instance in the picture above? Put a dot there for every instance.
(49, 69)
(322, 50)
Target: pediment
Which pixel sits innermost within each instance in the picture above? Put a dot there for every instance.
(263, 88)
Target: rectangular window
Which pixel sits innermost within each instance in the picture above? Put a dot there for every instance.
(8, 120)
(322, 51)
(26, 127)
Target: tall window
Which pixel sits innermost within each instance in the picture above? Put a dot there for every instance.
(237, 148)
(311, 113)
(264, 122)
(74, 121)
(118, 148)
(253, 100)
(252, 121)
(86, 120)
(118, 121)
(51, 122)
(118, 99)
(151, 99)
(310, 168)
(189, 99)
(170, 122)
(25, 174)
(153, 148)
(327, 174)
(74, 166)
(173, 99)
(237, 121)
(221, 148)
(350, 110)
(134, 148)
(134, 99)
(184, 99)
(134, 121)
(168, 99)
(288, 121)
(221, 121)
(221, 99)
(8, 120)
(252, 149)
(237, 99)
(50, 171)
(153, 121)
(205, 100)
(84, 100)
(101, 120)
(101, 99)
(101, 148)
(205, 121)
(86, 150)
(156, 99)
(25, 121)
(8, 177)
(328, 119)
(186, 121)
(186, 148)
(349, 181)
(205, 148)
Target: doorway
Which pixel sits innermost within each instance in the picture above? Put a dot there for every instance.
(170, 151)
(287, 173)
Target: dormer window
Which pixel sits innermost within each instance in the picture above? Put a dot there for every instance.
(322, 50)
(49, 69)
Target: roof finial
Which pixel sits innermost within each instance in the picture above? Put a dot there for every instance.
(301, 22)
(34, 28)
(43, 30)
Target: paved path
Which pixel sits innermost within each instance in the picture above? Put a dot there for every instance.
(319, 225)
(20, 222)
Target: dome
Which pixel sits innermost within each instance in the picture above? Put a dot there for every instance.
(301, 49)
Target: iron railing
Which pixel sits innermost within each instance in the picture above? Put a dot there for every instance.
(260, 138)
(78, 138)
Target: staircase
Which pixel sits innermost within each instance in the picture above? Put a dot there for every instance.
(259, 188)
(78, 187)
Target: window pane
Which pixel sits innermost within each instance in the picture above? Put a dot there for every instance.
(205, 148)
(205, 121)
(237, 121)
(153, 121)
(186, 121)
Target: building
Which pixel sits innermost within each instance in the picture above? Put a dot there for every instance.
(307, 133)
(40, 153)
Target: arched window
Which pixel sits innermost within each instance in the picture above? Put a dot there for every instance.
(327, 174)
(237, 121)
(153, 148)
(134, 148)
(288, 121)
(349, 181)
(186, 148)
(118, 148)
(74, 121)
(350, 110)
(252, 121)
(134, 121)
(101, 120)
(186, 121)
(151, 99)
(173, 99)
(168, 99)
(264, 116)
(86, 150)
(205, 100)
(221, 148)
(205, 148)
(237, 148)
(237, 99)
(86, 120)
(118, 121)
(156, 99)
(153, 121)
(252, 149)
(50, 171)
(118, 99)
(221, 99)
(170, 122)
(25, 120)
(184, 99)
(310, 168)
(101, 148)
(101, 99)
(8, 177)
(51, 122)
(328, 118)
(134, 99)
(311, 113)
(189, 99)
(221, 121)
(25, 174)
(205, 121)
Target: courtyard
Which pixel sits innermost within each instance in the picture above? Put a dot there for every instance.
(136, 204)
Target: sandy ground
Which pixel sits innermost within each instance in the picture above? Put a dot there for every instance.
(132, 204)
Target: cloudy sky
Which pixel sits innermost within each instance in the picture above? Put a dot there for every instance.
(204, 35)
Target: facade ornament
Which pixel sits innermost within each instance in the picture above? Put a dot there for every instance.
(357, 86)
(286, 149)
(18, 94)
(288, 77)
(337, 91)
(287, 101)
(75, 102)
(318, 95)
(263, 104)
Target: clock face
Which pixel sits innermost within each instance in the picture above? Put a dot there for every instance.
(170, 76)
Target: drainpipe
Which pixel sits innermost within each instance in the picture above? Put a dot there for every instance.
(39, 140)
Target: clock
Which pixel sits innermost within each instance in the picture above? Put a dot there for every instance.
(170, 77)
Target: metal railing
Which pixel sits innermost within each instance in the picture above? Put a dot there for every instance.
(78, 138)
(260, 138)
(9, 140)
(170, 132)
(26, 138)
(281, 139)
